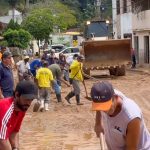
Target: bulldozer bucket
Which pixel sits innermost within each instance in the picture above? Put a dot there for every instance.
(107, 52)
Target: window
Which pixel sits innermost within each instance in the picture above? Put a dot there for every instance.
(75, 50)
(124, 6)
(67, 51)
(118, 7)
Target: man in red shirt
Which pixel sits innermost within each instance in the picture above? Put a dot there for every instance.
(12, 112)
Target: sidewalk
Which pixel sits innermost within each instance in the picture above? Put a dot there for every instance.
(144, 69)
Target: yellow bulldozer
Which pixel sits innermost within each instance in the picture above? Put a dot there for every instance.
(111, 54)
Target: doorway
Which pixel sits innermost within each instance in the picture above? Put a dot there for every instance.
(146, 50)
(136, 47)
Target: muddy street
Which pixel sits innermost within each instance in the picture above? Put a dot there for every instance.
(70, 127)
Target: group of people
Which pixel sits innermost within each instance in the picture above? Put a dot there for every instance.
(118, 117)
(48, 72)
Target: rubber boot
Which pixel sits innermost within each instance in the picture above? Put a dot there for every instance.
(78, 100)
(46, 107)
(58, 96)
(69, 96)
(42, 105)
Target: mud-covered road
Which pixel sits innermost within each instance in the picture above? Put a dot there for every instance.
(70, 127)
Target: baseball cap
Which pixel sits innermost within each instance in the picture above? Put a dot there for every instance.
(52, 51)
(6, 54)
(27, 89)
(26, 57)
(102, 93)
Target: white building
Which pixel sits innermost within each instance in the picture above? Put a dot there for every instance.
(122, 18)
(131, 18)
(17, 17)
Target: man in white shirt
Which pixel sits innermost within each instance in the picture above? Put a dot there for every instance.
(24, 68)
(119, 118)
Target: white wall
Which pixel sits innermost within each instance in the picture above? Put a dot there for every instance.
(17, 17)
(141, 21)
(122, 23)
(114, 16)
(126, 23)
(141, 28)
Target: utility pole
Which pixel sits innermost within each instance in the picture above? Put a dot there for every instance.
(27, 3)
(98, 10)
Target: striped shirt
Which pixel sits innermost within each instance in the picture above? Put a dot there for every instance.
(10, 120)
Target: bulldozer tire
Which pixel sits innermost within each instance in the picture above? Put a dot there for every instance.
(112, 71)
(121, 71)
(118, 71)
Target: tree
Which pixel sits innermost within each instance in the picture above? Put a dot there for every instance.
(39, 23)
(17, 38)
(13, 25)
(64, 17)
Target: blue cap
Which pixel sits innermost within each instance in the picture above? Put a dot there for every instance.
(102, 93)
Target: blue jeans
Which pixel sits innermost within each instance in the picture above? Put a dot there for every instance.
(57, 87)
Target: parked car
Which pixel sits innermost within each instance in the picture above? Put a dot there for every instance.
(57, 47)
(68, 51)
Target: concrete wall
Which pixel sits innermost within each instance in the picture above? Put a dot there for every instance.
(141, 53)
(114, 17)
(141, 28)
(122, 23)
(126, 23)
(136, 23)
(141, 21)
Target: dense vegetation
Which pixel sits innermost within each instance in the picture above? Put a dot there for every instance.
(83, 9)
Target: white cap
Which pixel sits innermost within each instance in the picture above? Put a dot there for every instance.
(26, 57)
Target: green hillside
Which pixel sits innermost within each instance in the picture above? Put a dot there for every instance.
(3, 7)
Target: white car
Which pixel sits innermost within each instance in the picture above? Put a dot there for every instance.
(69, 51)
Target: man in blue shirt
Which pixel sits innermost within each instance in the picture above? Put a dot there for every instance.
(6, 76)
(34, 65)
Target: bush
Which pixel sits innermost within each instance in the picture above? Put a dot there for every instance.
(13, 25)
(17, 38)
(4, 43)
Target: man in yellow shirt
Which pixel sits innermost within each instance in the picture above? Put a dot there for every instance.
(44, 78)
(76, 77)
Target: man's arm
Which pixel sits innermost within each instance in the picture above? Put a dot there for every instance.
(14, 140)
(1, 94)
(65, 82)
(5, 145)
(98, 125)
(133, 134)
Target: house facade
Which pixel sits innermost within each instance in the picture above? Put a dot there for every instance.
(17, 17)
(131, 18)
